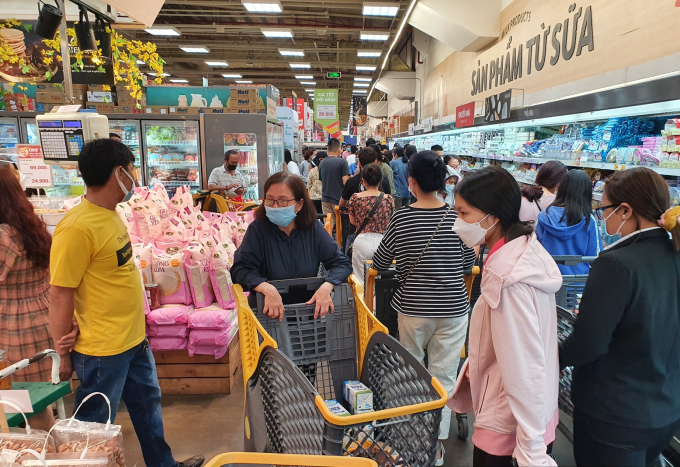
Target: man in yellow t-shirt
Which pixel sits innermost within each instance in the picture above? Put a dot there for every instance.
(94, 278)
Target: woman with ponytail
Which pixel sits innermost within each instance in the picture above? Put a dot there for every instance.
(625, 347)
(511, 376)
(537, 197)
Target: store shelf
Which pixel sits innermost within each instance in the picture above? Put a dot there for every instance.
(171, 143)
(246, 167)
(175, 183)
(9, 140)
(173, 164)
(240, 148)
(130, 142)
(597, 196)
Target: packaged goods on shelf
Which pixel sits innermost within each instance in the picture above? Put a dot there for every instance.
(183, 110)
(155, 109)
(158, 344)
(101, 107)
(211, 317)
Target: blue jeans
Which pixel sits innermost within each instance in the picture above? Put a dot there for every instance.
(131, 375)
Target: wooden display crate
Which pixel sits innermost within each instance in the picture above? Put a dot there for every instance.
(178, 373)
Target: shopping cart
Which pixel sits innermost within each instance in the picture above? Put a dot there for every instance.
(343, 227)
(42, 394)
(291, 367)
(242, 459)
(384, 284)
(568, 299)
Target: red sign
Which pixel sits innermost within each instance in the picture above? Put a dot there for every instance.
(301, 113)
(465, 115)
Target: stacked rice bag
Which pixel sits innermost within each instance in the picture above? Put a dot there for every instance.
(186, 254)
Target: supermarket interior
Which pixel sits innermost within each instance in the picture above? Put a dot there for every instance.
(453, 170)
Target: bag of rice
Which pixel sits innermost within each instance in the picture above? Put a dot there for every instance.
(220, 277)
(161, 192)
(169, 314)
(124, 211)
(168, 272)
(218, 351)
(213, 336)
(167, 343)
(179, 200)
(167, 330)
(148, 223)
(211, 317)
(197, 264)
(142, 253)
(161, 208)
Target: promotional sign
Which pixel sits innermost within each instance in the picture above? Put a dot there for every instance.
(427, 124)
(465, 115)
(287, 116)
(360, 113)
(497, 106)
(301, 114)
(31, 164)
(326, 111)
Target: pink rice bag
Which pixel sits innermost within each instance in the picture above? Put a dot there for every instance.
(220, 277)
(124, 211)
(148, 222)
(161, 192)
(218, 351)
(140, 193)
(169, 314)
(168, 272)
(179, 200)
(145, 299)
(197, 264)
(213, 336)
(240, 233)
(142, 253)
(167, 330)
(161, 208)
(167, 343)
(211, 317)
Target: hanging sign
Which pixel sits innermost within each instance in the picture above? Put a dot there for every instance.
(497, 106)
(31, 164)
(465, 115)
(427, 124)
(326, 111)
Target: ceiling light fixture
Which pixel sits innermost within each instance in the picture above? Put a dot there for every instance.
(359, 91)
(365, 80)
(373, 36)
(380, 9)
(292, 52)
(243, 82)
(179, 80)
(300, 65)
(368, 53)
(195, 49)
(154, 74)
(304, 77)
(263, 6)
(308, 83)
(274, 33)
(361, 85)
(140, 62)
(404, 20)
(366, 67)
(216, 63)
(231, 75)
(309, 91)
(163, 31)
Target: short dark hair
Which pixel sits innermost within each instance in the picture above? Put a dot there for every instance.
(494, 191)
(428, 169)
(353, 150)
(383, 147)
(372, 175)
(333, 144)
(367, 156)
(287, 156)
(387, 157)
(398, 152)
(370, 141)
(114, 135)
(575, 195)
(436, 147)
(410, 151)
(100, 157)
(375, 147)
(447, 158)
(230, 153)
(307, 216)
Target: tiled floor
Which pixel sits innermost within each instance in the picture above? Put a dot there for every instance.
(210, 425)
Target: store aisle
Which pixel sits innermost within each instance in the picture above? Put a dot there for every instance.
(210, 425)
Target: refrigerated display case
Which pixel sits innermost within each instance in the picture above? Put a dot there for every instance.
(129, 136)
(9, 132)
(172, 153)
(258, 140)
(29, 131)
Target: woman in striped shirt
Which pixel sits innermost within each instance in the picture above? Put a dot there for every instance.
(431, 299)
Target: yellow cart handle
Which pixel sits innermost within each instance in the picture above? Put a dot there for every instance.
(240, 458)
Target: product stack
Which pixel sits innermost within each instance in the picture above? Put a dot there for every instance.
(184, 257)
(50, 95)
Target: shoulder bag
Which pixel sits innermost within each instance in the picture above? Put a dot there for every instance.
(415, 263)
(352, 237)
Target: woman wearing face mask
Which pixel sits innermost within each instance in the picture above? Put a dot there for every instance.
(626, 340)
(431, 299)
(511, 376)
(446, 194)
(285, 241)
(24, 285)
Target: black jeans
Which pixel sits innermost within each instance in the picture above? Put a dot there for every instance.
(601, 443)
(484, 459)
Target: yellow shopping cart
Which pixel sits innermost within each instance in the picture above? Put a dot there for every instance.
(242, 459)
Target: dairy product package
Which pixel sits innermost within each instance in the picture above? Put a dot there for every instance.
(358, 396)
(168, 272)
(336, 408)
(197, 264)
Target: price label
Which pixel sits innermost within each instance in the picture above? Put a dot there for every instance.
(326, 112)
(31, 164)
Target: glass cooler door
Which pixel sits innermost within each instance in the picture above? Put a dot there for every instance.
(246, 145)
(9, 132)
(172, 154)
(129, 135)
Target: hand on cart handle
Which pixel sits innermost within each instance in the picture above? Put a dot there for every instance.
(273, 304)
(68, 341)
(323, 300)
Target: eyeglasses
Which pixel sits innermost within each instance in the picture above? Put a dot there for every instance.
(599, 212)
(282, 203)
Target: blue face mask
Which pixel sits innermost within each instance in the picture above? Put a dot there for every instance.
(449, 189)
(128, 194)
(281, 216)
(606, 237)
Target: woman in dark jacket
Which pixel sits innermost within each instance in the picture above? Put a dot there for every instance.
(285, 241)
(625, 347)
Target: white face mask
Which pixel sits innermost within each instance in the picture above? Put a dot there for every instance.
(471, 234)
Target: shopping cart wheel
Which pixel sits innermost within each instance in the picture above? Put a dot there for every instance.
(462, 425)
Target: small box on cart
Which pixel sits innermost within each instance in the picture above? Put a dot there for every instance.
(336, 408)
(358, 396)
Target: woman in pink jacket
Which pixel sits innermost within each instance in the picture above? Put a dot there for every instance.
(510, 379)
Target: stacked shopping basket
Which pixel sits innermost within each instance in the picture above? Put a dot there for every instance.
(291, 367)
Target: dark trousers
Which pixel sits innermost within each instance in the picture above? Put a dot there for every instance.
(317, 206)
(601, 443)
(484, 459)
(132, 376)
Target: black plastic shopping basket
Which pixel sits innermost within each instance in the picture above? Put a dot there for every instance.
(291, 367)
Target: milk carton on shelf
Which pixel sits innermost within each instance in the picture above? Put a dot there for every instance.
(336, 408)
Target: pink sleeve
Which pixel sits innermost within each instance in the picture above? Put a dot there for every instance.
(521, 359)
(9, 252)
(528, 211)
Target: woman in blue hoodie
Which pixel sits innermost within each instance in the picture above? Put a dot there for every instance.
(567, 227)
